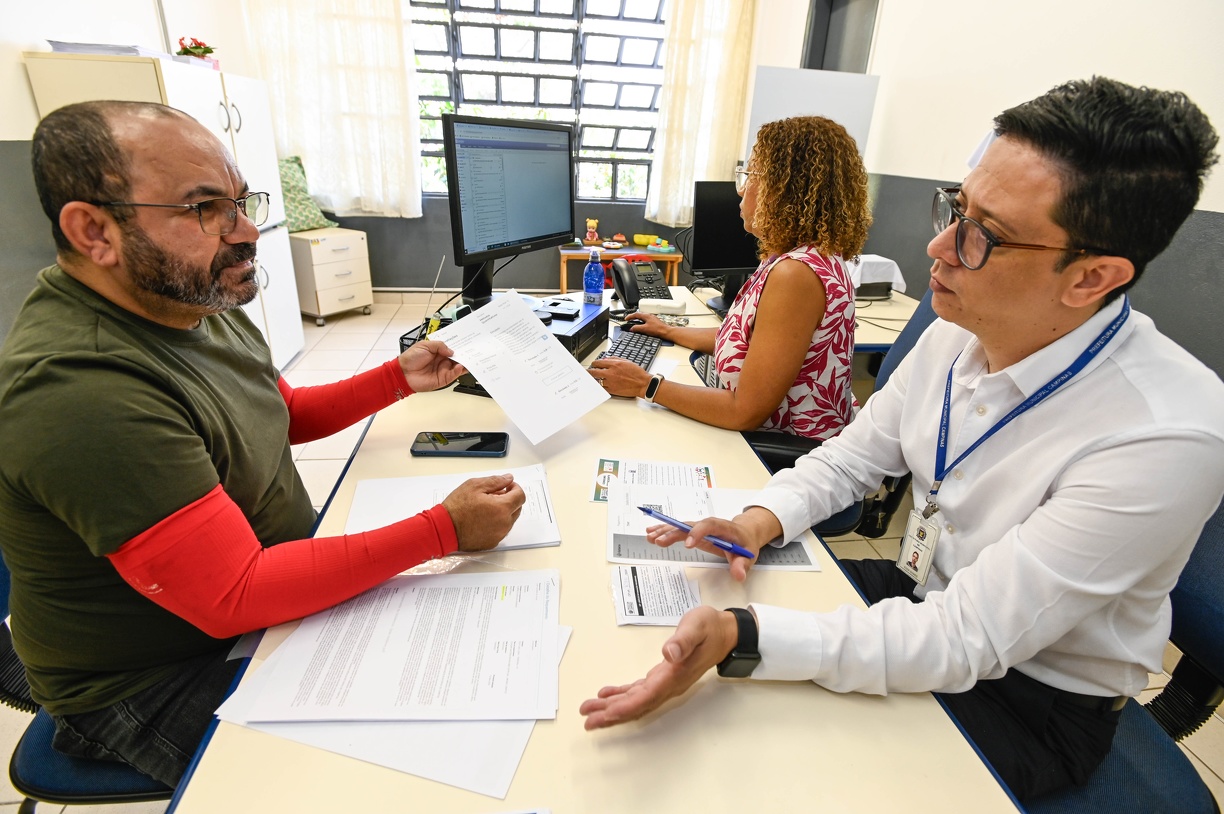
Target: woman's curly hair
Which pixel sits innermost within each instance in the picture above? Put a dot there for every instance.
(811, 188)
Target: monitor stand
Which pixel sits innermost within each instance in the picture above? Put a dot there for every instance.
(718, 305)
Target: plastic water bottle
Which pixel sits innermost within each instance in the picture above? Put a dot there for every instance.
(593, 280)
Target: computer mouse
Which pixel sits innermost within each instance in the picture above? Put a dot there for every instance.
(629, 323)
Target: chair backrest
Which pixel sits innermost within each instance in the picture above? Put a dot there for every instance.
(5, 585)
(1198, 600)
(923, 316)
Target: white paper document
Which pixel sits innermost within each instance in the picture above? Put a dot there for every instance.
(627, 526)
(480, 756)
(656, 473)
(539, 384)
(383, 501)
(652, 594)
(434, 647)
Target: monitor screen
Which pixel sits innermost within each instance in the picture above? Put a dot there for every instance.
(720, 244)
(511, 187)
(721, 247)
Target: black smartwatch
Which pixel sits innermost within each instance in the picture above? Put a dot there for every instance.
(652, 387)
(744, 657)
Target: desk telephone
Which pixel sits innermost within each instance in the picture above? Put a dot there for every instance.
(638, 279)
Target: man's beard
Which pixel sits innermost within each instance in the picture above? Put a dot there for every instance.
(165, 275)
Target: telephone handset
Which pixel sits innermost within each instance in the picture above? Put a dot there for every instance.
(638, 279)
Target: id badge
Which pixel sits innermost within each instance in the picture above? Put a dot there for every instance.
(918, 547)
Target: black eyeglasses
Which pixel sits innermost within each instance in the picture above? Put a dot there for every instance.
(974, 242)
(218, 216)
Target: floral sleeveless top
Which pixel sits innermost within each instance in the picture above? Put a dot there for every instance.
(820, 402)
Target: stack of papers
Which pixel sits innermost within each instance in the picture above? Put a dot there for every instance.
(432, 666)
(106, 48)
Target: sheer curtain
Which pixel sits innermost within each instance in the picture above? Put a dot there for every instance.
(341, 80)
(701, 106)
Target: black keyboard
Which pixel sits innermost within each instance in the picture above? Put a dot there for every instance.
(637, 348)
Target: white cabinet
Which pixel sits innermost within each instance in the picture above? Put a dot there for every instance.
(277, 303)
(332, 267)
(236, 109)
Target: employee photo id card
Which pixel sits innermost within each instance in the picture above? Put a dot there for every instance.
(918, 547)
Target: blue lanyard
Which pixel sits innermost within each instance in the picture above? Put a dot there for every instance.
(941, 443)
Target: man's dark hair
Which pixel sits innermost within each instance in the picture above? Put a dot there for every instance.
(1132, 161)
(76, 158)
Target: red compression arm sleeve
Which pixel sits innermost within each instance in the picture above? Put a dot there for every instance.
(317, 412)
(204, 564)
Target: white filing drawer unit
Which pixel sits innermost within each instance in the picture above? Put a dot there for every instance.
(332, 267)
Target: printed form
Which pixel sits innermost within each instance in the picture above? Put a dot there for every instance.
(539, 384)
(652, 594)
(648, 472)
(433, 647)
(627, 526)
(383, 501)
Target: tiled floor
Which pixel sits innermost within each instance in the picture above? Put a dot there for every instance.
(350, 343)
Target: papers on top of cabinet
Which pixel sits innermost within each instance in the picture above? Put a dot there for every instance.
(531, 376)
(383, 501)
(479, 646)
(627, 526)
(106, 48)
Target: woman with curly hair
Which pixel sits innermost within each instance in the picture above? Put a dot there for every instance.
(783, 352)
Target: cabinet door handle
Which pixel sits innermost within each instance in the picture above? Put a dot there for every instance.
(228, 122)
(267, 283)
(238, 113)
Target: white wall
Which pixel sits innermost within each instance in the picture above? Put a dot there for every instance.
(947, 67)
(28, 24)
(777, 41)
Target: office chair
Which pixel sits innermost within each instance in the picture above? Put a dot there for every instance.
(45, 775)
(1146, 771)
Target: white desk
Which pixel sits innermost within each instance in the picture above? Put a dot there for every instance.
(733, 746)
(877, 322)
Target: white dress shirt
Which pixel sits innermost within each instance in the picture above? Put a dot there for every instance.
(1061, 536)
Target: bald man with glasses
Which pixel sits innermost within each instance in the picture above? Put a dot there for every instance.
(1065, 456)
(150, 510)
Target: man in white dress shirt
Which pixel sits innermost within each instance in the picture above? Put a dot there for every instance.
(1048, 550)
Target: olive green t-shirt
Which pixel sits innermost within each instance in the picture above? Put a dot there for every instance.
(110, 423)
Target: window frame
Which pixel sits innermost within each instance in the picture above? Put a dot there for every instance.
(456, 16)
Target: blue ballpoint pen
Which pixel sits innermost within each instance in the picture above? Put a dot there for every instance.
(723, 544)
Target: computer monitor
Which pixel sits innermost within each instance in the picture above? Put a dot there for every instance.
(721, 247)
(511, 187)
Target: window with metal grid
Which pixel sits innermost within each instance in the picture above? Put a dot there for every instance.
(595, 63)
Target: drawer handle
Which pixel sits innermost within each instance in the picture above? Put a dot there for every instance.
(342, 249)
(350, 297)
(343, 273)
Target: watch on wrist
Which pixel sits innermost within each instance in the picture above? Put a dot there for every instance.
(744, 657)
(653, 387)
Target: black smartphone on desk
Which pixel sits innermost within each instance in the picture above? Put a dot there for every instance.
(455, 444)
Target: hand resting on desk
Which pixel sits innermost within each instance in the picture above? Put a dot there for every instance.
(703, 638)
(483, 510)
